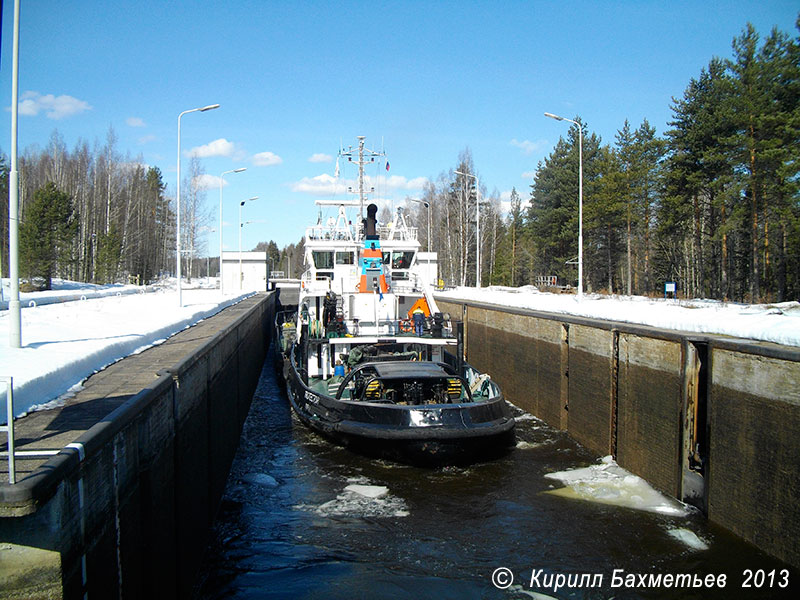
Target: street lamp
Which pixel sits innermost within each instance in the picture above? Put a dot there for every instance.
(14, 307)
(241, 204)
(580, 198)
(178, 212)
(427, 205)
(221, 183)
(477, 226)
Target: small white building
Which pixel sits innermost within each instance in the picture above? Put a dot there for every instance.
(427, 264)
(253, 272)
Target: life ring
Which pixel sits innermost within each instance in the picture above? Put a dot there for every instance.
(406, 326)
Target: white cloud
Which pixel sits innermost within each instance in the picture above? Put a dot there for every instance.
(220, 147)
(529, 147)
(135, 122)
(208, 182)
(266, 159)
(529, 175)
(319, 157)
(326, 185)
(321, 185)
(54, 107)
(505, 202)
(147, 138)
(401, 183)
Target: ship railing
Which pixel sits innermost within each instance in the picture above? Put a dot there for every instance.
(403, 286)
(406, 282)
(389, 327)
(397, 233)
(362, 328)
(327, 233)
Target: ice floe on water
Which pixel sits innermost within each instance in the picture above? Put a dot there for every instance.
(518, 589)
(690, 538)
(361, 499)
(369, 491)
(608, 483)
(523, 445)
(260, 479)
(525, 417)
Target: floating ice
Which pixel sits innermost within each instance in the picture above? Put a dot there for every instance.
(608, 483)
(690, 538)
(369, 491)
(525, 417)
(362, 500)
(518, 589)
(260, 479)
(522, 445)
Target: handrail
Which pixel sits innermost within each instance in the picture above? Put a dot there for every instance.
(9, 429)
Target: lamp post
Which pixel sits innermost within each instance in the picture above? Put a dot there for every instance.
(241, 204)
(15, 326)
(221, 183)
(178, 211)
(477, 226)
(580, 198)
(427, 205)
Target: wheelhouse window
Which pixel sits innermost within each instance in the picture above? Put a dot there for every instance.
(402, 260)
(322, 259)
(345, 258)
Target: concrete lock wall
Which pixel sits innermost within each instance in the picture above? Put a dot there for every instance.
(126, 513)
(707, 419)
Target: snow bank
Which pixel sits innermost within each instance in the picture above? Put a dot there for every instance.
(65, 343)
(68, 291)
(779, 323)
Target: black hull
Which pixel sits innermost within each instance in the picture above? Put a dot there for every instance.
(469, 433)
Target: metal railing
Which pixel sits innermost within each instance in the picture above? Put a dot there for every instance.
(12, 453)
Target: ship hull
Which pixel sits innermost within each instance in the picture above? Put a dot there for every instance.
(430, 435)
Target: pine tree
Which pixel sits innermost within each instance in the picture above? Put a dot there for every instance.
(697, 211)
(604, 221)
(552, 217)
(47, 233)
(109, 251)
(515, 229)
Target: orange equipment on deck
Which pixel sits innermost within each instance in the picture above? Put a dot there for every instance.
(423, 304)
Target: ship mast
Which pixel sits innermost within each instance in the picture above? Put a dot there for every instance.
(365, 156)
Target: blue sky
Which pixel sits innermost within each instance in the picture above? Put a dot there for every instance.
(294, 79)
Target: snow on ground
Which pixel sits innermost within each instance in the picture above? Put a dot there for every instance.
(779, 323)
(67, 341)
(65, 291)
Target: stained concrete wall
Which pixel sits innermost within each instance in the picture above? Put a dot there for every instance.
(126, 513)
(620, 389)
(754, 488)
(649, 409)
